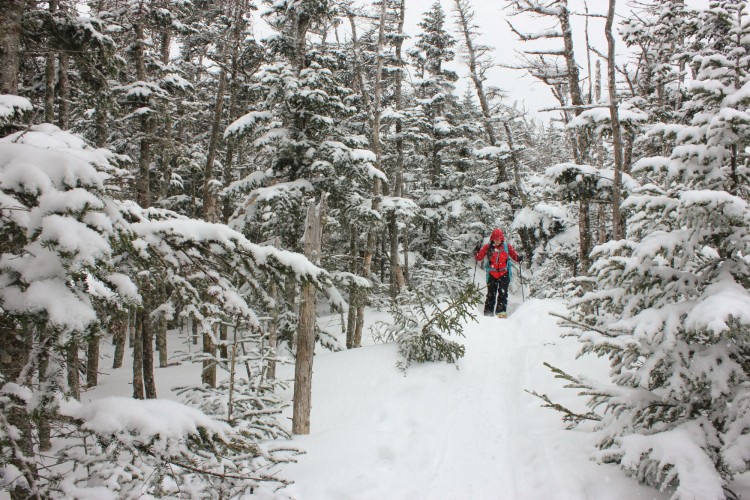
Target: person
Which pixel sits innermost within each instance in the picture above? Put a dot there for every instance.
(498, 279)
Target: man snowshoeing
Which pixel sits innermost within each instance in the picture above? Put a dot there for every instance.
(497, 252)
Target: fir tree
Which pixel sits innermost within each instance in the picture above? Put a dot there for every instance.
(670, 301)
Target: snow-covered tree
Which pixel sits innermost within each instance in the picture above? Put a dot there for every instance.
(74, 249)
(420, 325)
(670, 304)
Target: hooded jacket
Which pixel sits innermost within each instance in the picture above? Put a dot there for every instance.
(497, 258)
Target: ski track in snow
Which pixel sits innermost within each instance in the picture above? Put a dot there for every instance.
(466, 432)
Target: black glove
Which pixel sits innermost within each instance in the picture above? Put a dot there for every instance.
(520, 259)
(477, 248)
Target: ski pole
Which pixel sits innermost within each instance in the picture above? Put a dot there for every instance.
(520, 275)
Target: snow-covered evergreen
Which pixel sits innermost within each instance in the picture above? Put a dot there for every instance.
(158, 160)
(669, 304)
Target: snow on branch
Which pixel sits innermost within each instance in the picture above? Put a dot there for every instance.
(13, 106)
(539, 35)
(154, 421)
(493, 152)
(674, 458)
(246, 122)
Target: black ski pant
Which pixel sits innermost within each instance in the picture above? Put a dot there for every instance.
(496, 287)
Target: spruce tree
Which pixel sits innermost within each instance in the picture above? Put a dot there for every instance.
(670, 300)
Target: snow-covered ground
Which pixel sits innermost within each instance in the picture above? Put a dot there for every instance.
(467, 432)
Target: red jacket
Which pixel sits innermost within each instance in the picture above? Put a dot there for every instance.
(497, 258)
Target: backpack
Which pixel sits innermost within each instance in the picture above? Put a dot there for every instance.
(508, 263)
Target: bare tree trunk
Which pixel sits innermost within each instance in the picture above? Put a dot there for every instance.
(397, 275)
(223, 349)
(617, 226)
(353, 293)
(144, 344)
(405, 243)
(588, 54)
(161, 342)
(234, 88)
(210, 207)
(119, 327)
(138, 392)
(166, 44)
(74, 365)
(290, 298)
(166, 139)
(147, 338)
(92, 361)
(584, 221)
(465, 17)
(101, 123)
(398, 186)
(377, 149)
(574, 82)
(520, 195)
(63, 117)
(10, 44)
(208, 374)
(359, 74)
(359, 324)
(49, 77)
(44, 431)
(601, 215)
(132, 322)
(144, 176)
(584, 227)
(101, 102)
(306, 335)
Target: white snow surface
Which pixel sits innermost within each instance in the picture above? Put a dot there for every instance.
(465, 431)
(468, 431)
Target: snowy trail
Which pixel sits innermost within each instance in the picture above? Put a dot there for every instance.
(439, 432)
